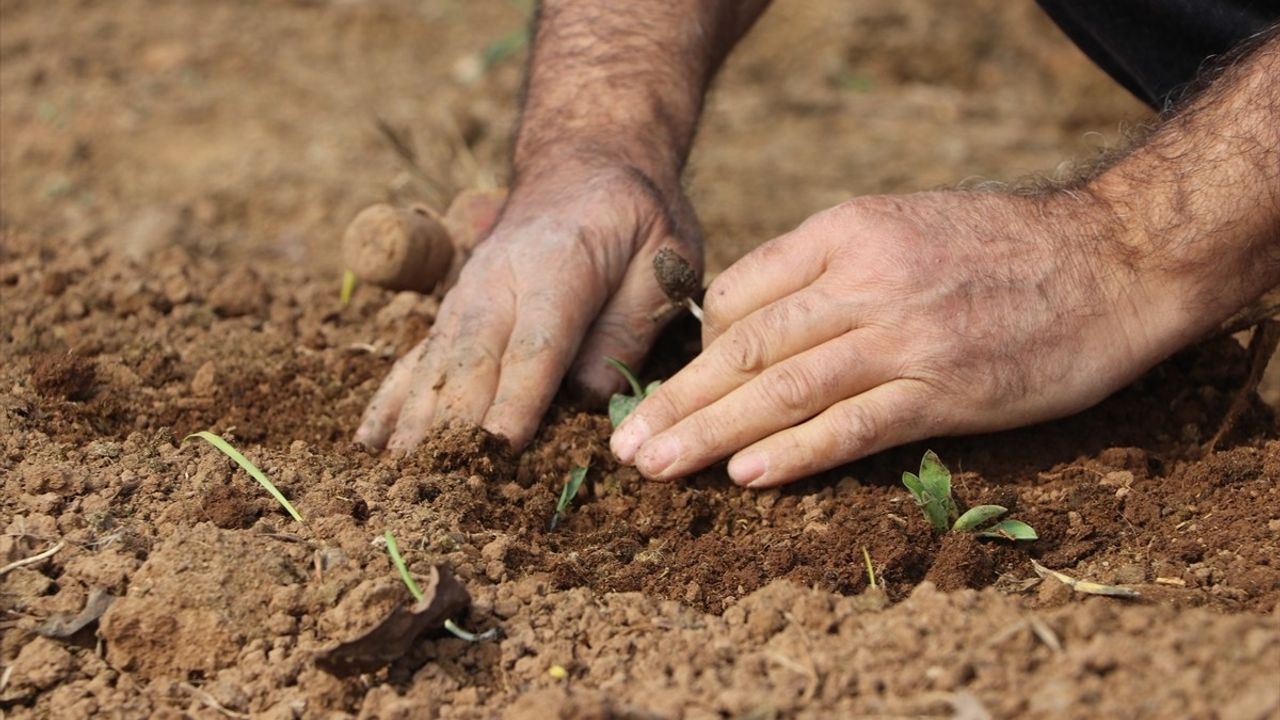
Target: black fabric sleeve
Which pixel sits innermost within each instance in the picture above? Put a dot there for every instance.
(1156, 47)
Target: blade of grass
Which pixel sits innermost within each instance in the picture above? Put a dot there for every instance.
(248, 467)
(398, 560)
(348, 287)
(394, 551)
(871, 570)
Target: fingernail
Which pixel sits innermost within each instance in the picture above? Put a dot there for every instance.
(627, 439)
(748, 468)
(657, 456)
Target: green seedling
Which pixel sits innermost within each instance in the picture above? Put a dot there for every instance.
(398, 561)
(932, 492)
(871, 569)
(620, 406)
(348, 287)
(567, 494)
(248, 467)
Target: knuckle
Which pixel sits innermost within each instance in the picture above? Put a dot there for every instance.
(744, 352)
(789, 388)
(857, 428)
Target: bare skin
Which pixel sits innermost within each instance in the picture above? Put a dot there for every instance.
(566, 276)
(878, 322)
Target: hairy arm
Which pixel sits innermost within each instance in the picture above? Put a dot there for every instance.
(623, 82)
(905, 317)
(565, 278)
(1197, 205)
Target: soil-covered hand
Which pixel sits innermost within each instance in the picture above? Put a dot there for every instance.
(890, 319)
(566, 275)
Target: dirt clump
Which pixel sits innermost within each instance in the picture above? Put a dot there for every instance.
(66, 376)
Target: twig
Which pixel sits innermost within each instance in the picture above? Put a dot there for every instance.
(33, 559)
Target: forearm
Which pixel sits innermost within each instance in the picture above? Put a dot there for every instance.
(623, 82)
(1198, 203)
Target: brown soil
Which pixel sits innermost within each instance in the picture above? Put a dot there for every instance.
(181, 278)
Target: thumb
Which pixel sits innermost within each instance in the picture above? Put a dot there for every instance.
(626, 328)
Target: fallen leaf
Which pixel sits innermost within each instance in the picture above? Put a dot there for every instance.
(390, 638)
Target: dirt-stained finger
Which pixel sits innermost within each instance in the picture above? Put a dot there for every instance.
(883, 417)
(768, 336)
(772, 271)
(380, 414)
(781, 396)
(543, 344)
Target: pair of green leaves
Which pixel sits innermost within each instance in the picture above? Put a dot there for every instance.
(932, 492)
(620, 406)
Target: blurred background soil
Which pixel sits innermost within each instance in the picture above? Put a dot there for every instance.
(174, 178)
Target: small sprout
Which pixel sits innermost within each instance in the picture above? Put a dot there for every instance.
(248, 467)
(348, 287)
(932, 492)
(871, 570)
(398, 561)
(620, 406)
(557, 672)
(567, 493)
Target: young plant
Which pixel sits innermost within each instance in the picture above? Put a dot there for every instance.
(567, 493)
(932, 492)
(348, 287)
(620, 406)
(248, 467)
(398, 561)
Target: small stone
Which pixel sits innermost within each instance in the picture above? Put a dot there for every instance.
(205, 382)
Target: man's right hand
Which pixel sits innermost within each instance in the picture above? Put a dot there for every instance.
(564, 279)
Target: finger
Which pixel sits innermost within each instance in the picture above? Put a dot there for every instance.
(543, 343)
(768, 336)
(883, 417)
(772, 271)
(471, 364)
(785, 394)
(420, 402)
(625, 330)
(380, 414)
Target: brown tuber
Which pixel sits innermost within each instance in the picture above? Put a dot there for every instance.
(416, 248)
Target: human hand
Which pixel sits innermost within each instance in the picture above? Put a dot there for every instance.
(891, 319)
(565, 275)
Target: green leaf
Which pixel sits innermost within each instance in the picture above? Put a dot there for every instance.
(913, 484)
(935, 477)
(935, 510)
(620, 406)
(976, 516)
(394, 551)
(1009, 530)
(248, 467)
(628, 374)
(567, 493)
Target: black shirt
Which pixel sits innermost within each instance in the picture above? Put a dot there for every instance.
(1155, 47)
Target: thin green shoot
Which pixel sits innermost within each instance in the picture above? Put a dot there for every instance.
(567, 494)
(398, 561)
(871, 570)
(620, 405)
(248, 467)
(931, 490)
(348, 287)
